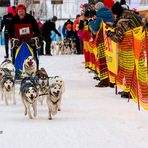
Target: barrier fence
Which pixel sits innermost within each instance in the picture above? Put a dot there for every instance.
(125, 63)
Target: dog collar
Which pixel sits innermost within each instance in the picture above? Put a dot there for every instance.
(54, 102)
(30, 102)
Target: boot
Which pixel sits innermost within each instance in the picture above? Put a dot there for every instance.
(111, 85)
(125, 95)
(103, 83)
(96, 78)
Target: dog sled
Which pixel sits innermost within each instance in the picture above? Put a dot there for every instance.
(23, 51)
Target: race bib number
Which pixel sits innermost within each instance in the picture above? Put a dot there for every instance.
(24, 31)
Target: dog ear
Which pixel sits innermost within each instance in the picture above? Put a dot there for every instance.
(42, 69)
(38, 72)
(56, 77)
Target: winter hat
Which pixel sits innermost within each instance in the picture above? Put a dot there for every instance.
(20, 5)
(117, 9)
(122, 2)
(77, 16)
(54, 18)
(99, 5)
(9, 9)
(92, 2)
(68, 26)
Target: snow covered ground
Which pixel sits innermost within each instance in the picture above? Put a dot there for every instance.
(90, 117)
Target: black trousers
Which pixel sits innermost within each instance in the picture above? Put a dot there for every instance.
(6, 37)
(47, 47)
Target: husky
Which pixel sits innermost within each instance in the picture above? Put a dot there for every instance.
(54, 99)
(73, 47)
(30, 66)
(58, 80)
(7, 72)
(66, 46)
(43, 82)
(8, 89)
(56, 47)
(29, 95)
(7, 64)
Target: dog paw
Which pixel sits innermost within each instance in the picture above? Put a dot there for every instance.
(30, 117)
(35, 115)
(50, 118)
(25, 113)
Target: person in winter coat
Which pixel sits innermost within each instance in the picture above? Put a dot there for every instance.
(23, 27)
(76, 23)
(125, 20)
(46, 29)
(124, 4)
(14, 10)
(102, 14)
(64, 27)
(5, 24)
(69, 32)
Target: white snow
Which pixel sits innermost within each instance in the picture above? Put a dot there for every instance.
(90, 117)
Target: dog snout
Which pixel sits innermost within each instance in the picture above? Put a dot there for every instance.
(43, 83)
(8, 86)
(31, 96)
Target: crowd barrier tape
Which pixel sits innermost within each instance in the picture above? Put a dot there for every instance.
(126, 63)
(94, 53)
(139, 88)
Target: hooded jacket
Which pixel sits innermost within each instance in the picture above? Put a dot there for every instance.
(126, 21)
(103, 14)
(47, 27)
(6, 22)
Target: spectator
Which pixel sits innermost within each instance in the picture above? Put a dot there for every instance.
(64, 27)
(124, 5)
(69, 32)
(5, 24)
(46, 29)
(125, 21)
(103, 14)
(14, 10)
(76, 23)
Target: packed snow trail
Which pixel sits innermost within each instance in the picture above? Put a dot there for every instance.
(90, 117)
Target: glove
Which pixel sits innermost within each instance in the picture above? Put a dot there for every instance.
(35, 42)
(14, 43)
(109, 33)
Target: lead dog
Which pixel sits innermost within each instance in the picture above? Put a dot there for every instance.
(54, 99)
(43, 82)
(7, 70)
(8, 89)
(29, 96)
(58, 80)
